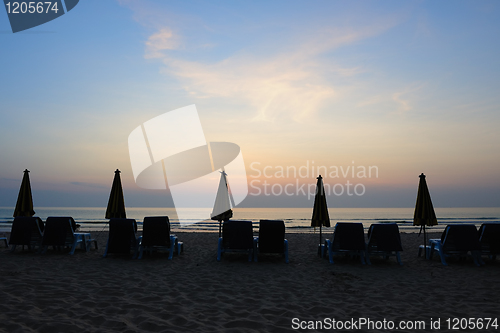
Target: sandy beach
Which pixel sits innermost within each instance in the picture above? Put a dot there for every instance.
(57, 292)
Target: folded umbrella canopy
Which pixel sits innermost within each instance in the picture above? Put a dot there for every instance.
(222, 207)
(24, 205)
(320, 215)
(424, 211)
(116, 203)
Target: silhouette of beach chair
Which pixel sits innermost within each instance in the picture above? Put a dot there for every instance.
(384, 240)
(271, 239)
(3, 238)
(457, 240)
(60, 233)
(489, 239)
(156, 236)
(122, 237)
(237, 236)
(26, 231)
(349, 239)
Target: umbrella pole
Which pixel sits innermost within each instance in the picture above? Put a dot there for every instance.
(320, 245)
(425, 243)
(320, 234)
(220, 227)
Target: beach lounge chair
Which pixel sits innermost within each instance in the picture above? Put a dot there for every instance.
(489, 239)
(122, 237)
(271, 239)
(348, 238)
(3, 238)
(384, 240)
(59, 232)
(457, 240)
(237, 236)
(26, 231)
(156, 236)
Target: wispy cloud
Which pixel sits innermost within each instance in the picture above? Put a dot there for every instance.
(160, 41)
(396, 102)
(290, 81)
(293, 84)
(403, 98)
(273, 87)
(404, 105)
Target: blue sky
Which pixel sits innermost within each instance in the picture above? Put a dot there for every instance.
(409, 87)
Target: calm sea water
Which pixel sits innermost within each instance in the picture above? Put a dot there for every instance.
(296, 219)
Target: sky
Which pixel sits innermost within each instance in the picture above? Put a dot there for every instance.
(398, 88)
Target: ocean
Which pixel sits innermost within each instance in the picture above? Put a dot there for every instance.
(296, 219)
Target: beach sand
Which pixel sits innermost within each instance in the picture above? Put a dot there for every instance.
(56, 292)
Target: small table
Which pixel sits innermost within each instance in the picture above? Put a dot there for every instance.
(87, 241)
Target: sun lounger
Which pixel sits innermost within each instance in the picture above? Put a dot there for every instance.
(156, 236)
(122, 237)
(26, 231)
(3, 238)
(348, 238)
(384, 240)
(457, 240)
(489, 239)
(271, 239)
(59, 233)
(237, 236)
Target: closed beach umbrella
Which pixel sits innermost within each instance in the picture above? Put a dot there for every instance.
(222, 208)
(320, 215)
(24, 205)
(424, 211)
(116, 203)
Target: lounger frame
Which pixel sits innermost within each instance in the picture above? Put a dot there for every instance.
(59, 234)
(457, 240)
(271, 239)
(489, 239)
(237, 236)
(348, 239)
(26, 231)
(156, 236)
(384, 240)
(122, 238)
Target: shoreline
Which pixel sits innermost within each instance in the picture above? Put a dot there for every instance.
(304, 230)
(98, 226)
